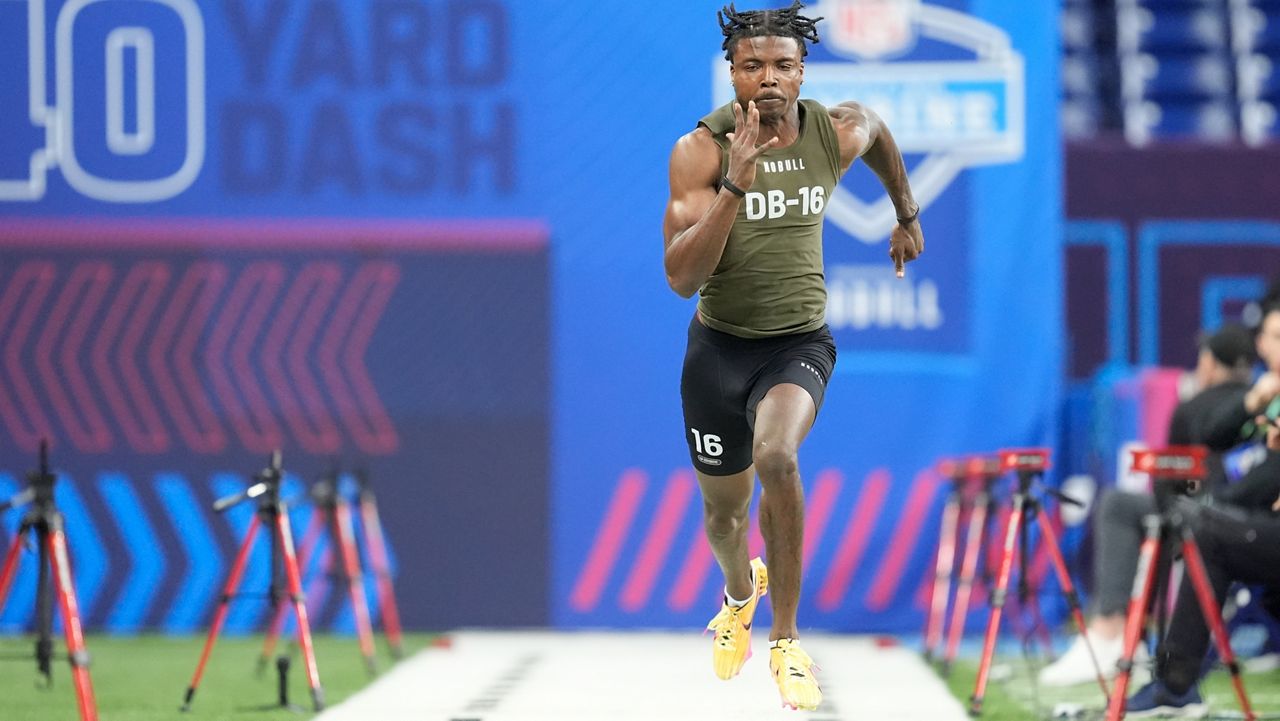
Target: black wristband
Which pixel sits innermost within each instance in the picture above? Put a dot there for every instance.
(724, 183)
(910, 218)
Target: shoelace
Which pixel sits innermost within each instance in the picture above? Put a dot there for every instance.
(796, 661)
(723, 626)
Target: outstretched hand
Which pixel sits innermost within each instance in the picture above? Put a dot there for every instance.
(743, 150)
(906, 243)
(1264, 390)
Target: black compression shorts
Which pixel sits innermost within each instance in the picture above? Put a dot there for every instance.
(726, 376)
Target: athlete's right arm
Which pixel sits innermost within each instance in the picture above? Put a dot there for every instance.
(698, 216)
(700, 213)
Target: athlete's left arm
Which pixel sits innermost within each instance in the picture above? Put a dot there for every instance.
(863, 134)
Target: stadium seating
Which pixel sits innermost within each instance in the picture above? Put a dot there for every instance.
(1171, 70)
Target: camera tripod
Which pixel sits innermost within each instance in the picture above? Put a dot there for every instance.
(273, 514)
(1029, 465)
(1175, 471)
(375, 541)
(965, 474)
(331, 512)
(46, 522)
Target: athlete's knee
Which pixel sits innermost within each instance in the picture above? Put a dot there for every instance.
(775, 461)
(724, 523)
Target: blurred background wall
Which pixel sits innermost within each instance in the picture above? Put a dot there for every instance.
(422, 238)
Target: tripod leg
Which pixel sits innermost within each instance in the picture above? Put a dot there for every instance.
(76, 651)
(10, 566)
(44, 604)
(382, 571)
(1069, 592)
(942, 574)
(997, 603)
(294, 578)
(220, 615)
(278, 610)
(968, 572)
(1028, 603)
(355, 582)
(1199, 576)
(1143, 581)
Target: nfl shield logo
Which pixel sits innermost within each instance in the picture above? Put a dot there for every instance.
(871, 29)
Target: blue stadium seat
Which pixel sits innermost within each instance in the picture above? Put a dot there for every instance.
(1077, 26)
(1164, 5)
(1257, 78)
(1183, 29)
(1258, 124)
(1256, 30)
(1210, 122)
(1080, 74)
(1081, 118)
(1202, 76)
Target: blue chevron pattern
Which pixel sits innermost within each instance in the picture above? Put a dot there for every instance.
(141, 542)
(205, 568)
(161, 586)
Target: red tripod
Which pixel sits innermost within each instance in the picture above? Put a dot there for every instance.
(1029, 464)
(273, 514)
(371, 524)
(332, 512)
(977, 472)
(1175, 471)
(953, 470)
(43, 519)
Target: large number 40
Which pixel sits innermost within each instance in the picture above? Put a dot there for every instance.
(55, 142)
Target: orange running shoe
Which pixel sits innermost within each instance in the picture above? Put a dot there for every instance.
(732, 627)
(796, 683)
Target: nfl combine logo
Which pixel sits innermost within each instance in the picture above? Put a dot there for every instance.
(950, 85)
(871, 29)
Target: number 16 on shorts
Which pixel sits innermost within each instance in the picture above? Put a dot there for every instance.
(708, 447)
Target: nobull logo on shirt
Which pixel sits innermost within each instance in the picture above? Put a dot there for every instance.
(782, 166)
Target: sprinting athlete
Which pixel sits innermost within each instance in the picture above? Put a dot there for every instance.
(743, 229)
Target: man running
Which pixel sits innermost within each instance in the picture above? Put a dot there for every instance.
(743, 229)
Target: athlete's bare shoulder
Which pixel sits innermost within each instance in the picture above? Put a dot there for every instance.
(696, 155)
(697, 142)
(855, 126)
(850, 111)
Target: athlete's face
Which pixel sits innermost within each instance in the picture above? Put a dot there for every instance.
(768, 70)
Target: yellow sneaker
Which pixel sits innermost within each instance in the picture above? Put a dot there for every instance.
(732, 628)
(790, 666)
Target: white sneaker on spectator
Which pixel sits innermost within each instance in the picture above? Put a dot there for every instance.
(1075, 666)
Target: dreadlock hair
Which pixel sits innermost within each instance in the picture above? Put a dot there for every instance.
(788, 23)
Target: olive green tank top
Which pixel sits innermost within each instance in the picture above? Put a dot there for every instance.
(769, 281)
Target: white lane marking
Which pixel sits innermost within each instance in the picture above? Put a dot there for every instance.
(544, 676)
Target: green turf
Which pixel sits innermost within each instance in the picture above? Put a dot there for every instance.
(1014, 697)
(144, 678)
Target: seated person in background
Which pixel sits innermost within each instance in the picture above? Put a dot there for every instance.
(1237, 546)
(1222, 426)
(1223, 371)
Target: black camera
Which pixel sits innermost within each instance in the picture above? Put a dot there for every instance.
(1176, 470)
